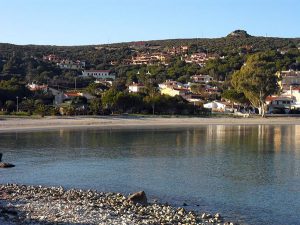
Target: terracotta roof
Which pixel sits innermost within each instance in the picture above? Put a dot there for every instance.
(137, 84)
(73, 94)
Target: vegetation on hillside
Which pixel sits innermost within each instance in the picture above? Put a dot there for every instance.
(239, 62)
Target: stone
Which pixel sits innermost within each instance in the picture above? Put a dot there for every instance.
(50, 205)
(139, 197)
(6, 165)
(218, 216)
(206, 216)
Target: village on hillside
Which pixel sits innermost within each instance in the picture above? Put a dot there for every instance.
(152, 79)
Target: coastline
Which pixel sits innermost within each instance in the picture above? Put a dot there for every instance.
(38, 205)
(8, 124)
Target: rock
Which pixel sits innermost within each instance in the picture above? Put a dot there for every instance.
(184, 204)
(6, 165)
(218, 216)
(206, 216)
(139, 197)
(51, 205)
(9, 211)
(181, 211)
(229, 223)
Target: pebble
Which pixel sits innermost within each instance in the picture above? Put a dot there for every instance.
(38, 205)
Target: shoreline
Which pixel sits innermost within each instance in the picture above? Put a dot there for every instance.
(38, 205)
(8, 124)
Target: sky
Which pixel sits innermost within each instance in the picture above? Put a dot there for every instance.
(87, 22)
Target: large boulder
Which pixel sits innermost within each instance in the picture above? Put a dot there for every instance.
(139, 197)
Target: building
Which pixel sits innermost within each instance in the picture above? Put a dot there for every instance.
(173, 91)
(198, 58)
(51, 58)
(288, 78)
(71, 65)
(178, 50)
(196, 99)
(280, 104)
(37, 87)
(202, 78)
(218, 106)
(293, 92)
(136, 87)
(171, 84)
(149, 59)
(99, 74)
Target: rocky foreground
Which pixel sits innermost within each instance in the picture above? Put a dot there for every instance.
(20, 204)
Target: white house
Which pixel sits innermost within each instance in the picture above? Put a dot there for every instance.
(283, 104)
(136, 87)
(202, 78)
(170, 84)
(217, 106)
(288, 78)
(71, 65)
(99, 74)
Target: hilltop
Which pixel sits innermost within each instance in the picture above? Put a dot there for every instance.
(239, 34)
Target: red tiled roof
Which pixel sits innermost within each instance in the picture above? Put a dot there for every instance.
(137, 84)
(72, 94)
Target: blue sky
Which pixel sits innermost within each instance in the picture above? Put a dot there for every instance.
(80, 22)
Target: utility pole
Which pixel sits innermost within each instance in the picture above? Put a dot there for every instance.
(17, 103)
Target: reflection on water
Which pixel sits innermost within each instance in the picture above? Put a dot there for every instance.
(248, 172)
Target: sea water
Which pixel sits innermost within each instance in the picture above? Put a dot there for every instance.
(249, 174)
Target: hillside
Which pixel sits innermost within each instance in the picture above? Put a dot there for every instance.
(222, 56)
(230, 43)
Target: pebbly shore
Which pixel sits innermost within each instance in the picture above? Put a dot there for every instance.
(37, 205)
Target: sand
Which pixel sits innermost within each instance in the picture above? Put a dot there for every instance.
(131, 122)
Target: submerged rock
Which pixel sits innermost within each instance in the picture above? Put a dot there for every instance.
(206, 216)
(6, 165)
(139, 197)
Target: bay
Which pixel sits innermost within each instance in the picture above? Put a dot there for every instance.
(249, 173)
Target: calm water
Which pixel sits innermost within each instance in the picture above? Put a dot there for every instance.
(247, 172)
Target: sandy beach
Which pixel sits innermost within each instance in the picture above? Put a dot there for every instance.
(131, 122)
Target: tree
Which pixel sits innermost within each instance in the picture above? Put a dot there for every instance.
(234, 96)
(28, 105)
(95, 106)
(109, 99)
(257, 80)
(10, 106)
(151, 99)
(40, 109)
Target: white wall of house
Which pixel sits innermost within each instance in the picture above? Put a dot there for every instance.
(99, 74)
(136, 88)
(202, 78)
